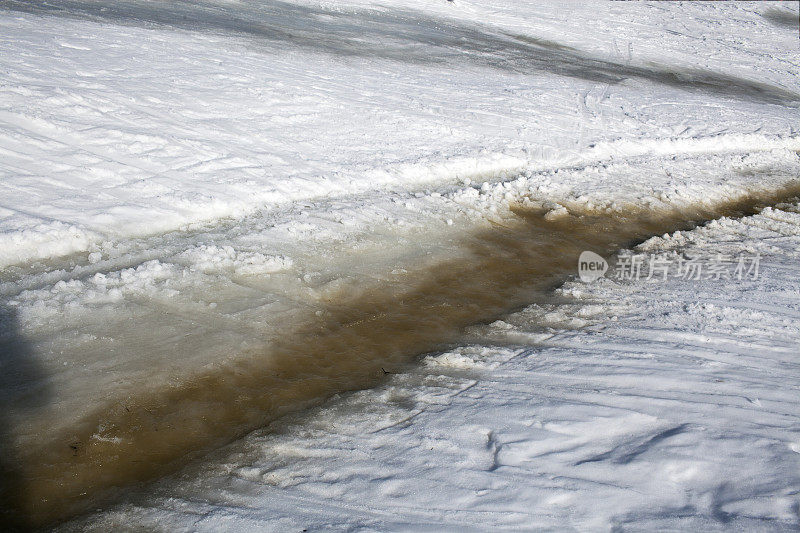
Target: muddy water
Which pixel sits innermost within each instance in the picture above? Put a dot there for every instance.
(349, 343)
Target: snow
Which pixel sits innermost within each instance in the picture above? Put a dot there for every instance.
(182, 184)
(101, 117)
(632, 404)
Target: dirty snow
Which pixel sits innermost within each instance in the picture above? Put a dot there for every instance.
(179, 181)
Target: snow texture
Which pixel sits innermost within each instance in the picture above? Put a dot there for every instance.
(181, 180)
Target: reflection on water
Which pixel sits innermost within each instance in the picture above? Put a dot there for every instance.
(348, 343)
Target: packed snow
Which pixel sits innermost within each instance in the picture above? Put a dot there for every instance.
(185, 183)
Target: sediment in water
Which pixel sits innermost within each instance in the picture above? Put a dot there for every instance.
(346, 344)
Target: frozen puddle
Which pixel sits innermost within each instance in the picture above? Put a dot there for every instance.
(184, 359)
(671, 407)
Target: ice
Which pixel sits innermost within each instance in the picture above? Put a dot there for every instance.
(670, 409)
(184, 185)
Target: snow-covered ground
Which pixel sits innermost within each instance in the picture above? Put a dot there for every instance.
(185, 184)
(132, 118)
(629, 404)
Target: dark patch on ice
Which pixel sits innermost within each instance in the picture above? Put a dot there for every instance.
(363, 330)
(21, 390)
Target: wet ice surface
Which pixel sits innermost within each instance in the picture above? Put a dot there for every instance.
(647, 404)
(182, 183)
(124, 336)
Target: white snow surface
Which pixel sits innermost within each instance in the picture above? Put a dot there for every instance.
(181, 180)
(133, 118)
